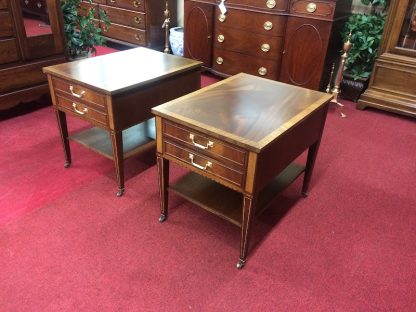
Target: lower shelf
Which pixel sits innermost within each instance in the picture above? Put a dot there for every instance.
(225, 202)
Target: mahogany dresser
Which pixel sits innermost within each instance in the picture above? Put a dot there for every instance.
(293, 41)
(239, 138)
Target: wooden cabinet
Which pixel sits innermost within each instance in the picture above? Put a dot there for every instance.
(137, 22)
(294, 41)
(393, 80)
(28, 42)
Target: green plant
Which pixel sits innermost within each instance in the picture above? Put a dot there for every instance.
(82, 30)
(366, 30)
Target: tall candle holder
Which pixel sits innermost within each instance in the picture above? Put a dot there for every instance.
(166, 27)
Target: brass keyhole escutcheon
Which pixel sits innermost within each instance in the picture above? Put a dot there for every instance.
(220, 60)
(311, 7)
(265, 47)
(262, 71)
(268, 25)
(222, 18)
(220, 38)
(271, 4)
(137, 20)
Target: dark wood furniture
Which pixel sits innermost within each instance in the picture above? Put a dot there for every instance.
(239, 138)
(392, 85)
(36, 8)
(22, 56)
(137, 22)
(293, 41)
(115, 93)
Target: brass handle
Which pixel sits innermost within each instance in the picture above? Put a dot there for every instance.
(136, 3)
(268, 25)
(138, 37)
(222, 18)
(262, 71)
(81, 112)
(209, 144)
(311, 7)
(113, 1)
(220, 60)
(26, 2)
(208, 164)
(271, 4)
(220, 38)
(265, 47)
(71, 88)
(137, 19)
(39, 5)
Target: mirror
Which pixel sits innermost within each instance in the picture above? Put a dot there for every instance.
(35, 17)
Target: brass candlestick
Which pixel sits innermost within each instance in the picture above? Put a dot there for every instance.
(166, 26)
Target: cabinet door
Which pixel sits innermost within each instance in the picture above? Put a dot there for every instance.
(306, 43)
(198, 31)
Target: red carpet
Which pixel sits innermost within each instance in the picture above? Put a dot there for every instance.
(68, 243)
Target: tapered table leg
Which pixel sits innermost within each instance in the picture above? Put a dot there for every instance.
(248, 214)
(163, 173)
(117, 144)
(310, 163)
(63, 130)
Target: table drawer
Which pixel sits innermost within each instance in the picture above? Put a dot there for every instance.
(76, 93)
(136, 5)
(205, 144)
(125, 17)
(124, 33)
(203, 164)
(313, 8)
(84, 111)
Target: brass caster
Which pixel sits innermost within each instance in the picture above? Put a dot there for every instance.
(240, 264)
(67, 164)
(120, 192)
(162, 218)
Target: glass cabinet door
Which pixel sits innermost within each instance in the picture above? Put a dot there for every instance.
(407, 37)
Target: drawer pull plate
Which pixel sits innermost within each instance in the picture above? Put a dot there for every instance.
(220, 60)
(220, 38)
(79, 96)
(136, 3)
(209, 144)
(262, 71)
(271, 4)
(138, 37)
(113, 1)
(265, 47)
(222, 18)
(268, 25)
(81, 112)
(311, 7)
(137, 19)
(208, 164)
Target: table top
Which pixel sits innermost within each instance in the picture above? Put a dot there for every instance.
(120, 71)
(246, 110)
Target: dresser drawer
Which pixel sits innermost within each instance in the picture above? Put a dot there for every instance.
(205, 144)
(8, 51)
(6, 28)
(136, 5)
(3, 4)
(320, 9)
(262, 46)
(79, 93)
(203, 164)
(124, 33)
(274, 5)
(82, 110)
(125, 17)
(231, 63)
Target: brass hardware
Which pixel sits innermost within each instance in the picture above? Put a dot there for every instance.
(105, 28)
(81, 112)
(137, 19)
(271, 4)
(262, 71)
(219, 60)
(79, 96)
(220, 38)
(136, 3)
(222, 18)
(113, 1)
(39, 5)
(268, 25)
(265, 47)
(311, 7)
(208, 164)
(209, 144)
(138, 37)
(26, 2)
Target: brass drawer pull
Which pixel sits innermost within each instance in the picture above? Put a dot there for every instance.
(81, 112)
(138, 37)
(262, 71)
(113, 1)
(311, 7)
(222, 18)
(271, 4)
(137, 19)
(71, 88)
(136, 3)
(26, 2)
(105, 28)
(209, 144)
(39, 5)
(220, 60)
(268, 25)
(265, 47)
(208, 164)
(220, 38)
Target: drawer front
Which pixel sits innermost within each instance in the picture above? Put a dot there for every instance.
(82, 110)
(266, 24)
(8, 51)
(231, 63)
(124, 17)
(313, 8)
(3, 4)
(248, 43)
(205, 144)
(135, 5)
(203, 164)
(6, 27)
(124, 33)
(273, 5)
(79, 93)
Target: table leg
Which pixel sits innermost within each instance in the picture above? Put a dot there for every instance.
(248, 214)
(63, 130)
(117, 144)
(310, 163)
(163, 172)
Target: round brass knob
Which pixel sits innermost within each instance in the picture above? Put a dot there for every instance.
(136, 3)
(220, 38)
(268, 25)
(265, 47)
(39, 5)
(222, 18)
(137, 19)
(271, 4)
(311, 7)
(262, 71)
(220, 60)
(26, 2)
